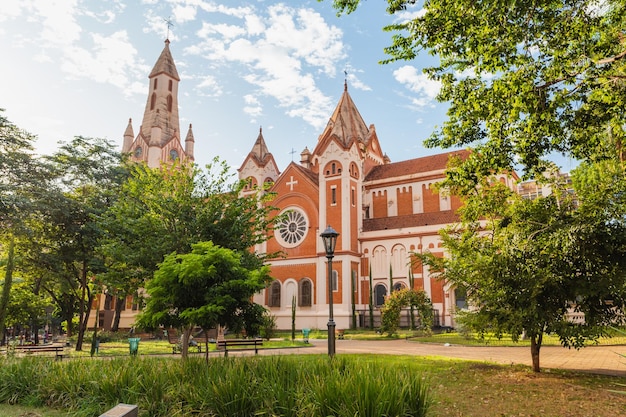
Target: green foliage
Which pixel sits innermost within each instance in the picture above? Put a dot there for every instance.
(268, 325)
(208, 287)
(523, 79)
(390, 311)
(293, 318)
(276, 386)
(525, 264)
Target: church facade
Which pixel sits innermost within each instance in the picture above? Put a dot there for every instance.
(383, 211)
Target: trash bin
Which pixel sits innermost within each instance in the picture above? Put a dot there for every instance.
(305, 335)
(134, 345)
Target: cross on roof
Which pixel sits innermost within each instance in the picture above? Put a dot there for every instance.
(169, 24)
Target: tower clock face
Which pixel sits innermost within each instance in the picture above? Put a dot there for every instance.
(292, 229)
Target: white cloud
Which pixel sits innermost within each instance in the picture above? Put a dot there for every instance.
(11, 9)
(210, 87)
(226, 31)
(281, 52)
(111, 59)
(59, 21)
(253, 107)
(418, 83)
(183, 13)
(411, 13)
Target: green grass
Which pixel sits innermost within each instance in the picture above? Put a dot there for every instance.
(309, 383)
(290, 386)
(163, 347)
(617, 338)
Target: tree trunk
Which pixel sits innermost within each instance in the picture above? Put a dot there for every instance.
(119, 303)
(184, 342)
(83, 310)
(535, 346)
(6, 288)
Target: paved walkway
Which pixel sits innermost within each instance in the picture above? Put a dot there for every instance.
(593, 359)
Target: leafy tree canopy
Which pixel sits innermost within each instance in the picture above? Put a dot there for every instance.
(526, 265)
(209, 286)
(523, 79)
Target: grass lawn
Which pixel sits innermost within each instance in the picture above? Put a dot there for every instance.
(163, 347)
(455, 338)
(466, 388)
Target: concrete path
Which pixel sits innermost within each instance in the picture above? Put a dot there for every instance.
(593, 359)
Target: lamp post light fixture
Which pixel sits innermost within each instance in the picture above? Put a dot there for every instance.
(329, 237)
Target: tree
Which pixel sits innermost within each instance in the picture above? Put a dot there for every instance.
(523, 79)
(526, 264)
(169, 209)
(20, 181)
(209, 286)
(84, 180)
(390, 312)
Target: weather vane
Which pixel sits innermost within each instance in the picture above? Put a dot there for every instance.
(293, 151)
(169, 24)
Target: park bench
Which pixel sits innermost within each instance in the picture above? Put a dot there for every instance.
(58, 350)
(226, 343)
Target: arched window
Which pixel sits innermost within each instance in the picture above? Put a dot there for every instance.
(153, 100)
(274, 295)
(173, 154)
(156, 82)
(305, 288)
(170, 84)
(169, 103)
(380, 292)
(399, 286)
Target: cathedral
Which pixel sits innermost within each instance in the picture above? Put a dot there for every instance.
(383, 211)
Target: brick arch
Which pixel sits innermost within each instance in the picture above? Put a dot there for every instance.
(333, 168)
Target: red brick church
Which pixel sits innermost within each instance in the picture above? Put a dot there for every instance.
(383, 211)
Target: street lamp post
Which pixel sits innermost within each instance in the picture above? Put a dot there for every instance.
(329, 237)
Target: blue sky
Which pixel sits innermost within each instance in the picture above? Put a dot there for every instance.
(73, 67)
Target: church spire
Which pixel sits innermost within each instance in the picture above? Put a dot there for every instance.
(346, 122)
(259, 150)
(161, 109)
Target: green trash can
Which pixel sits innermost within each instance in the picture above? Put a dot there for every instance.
(134, 345)
(305, 335)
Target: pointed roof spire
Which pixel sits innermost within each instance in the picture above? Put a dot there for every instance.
(165, 64)
(189, 137)
(259, 150)
(346, 122)
(129, 129)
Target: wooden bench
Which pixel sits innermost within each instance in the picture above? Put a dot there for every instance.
(226, 343)
(58, 350)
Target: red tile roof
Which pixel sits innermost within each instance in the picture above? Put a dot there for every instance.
(414, 166)
(411, 220)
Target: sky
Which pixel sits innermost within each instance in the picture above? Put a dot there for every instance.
(80, 68)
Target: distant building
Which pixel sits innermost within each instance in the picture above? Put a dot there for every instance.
(158, 139)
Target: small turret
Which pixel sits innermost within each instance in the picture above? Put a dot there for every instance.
(189, 143)
(128, 137)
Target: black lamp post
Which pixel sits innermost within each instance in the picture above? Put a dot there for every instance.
(329, 237)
